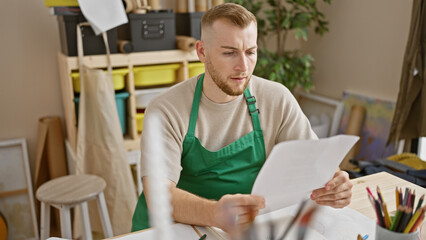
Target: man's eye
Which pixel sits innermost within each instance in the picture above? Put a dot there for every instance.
(228, 53)
(251, 53)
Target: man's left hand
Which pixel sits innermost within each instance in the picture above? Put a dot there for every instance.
(337, 192)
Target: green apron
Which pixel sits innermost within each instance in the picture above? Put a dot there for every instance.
(233, 169)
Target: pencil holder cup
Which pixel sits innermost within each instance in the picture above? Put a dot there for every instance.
(385, 234)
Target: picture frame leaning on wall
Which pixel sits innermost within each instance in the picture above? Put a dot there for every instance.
(16, 191)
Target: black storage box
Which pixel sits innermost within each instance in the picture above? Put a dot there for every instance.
(92, 44)
(189, 24)
(152, 31)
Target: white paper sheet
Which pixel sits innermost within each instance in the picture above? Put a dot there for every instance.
(180, 231)
(328, 223)
(103, 15)
(295, 168)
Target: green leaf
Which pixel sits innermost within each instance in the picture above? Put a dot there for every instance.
(291, 68)
(303, 33)
(273, 76)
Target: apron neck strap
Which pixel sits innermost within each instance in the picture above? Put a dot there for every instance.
(253, 110)
(251, 103)
(195, 105)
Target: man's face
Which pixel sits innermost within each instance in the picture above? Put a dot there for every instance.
(230, 55)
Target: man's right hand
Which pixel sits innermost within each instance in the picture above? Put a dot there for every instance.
(233, 213)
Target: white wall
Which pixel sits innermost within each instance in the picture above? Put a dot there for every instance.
(364, 49)
(29, 85)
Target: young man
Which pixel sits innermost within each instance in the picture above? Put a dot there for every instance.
(219, 128)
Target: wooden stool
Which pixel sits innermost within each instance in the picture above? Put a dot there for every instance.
(69, 191)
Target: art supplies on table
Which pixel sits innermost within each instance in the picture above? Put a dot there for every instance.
(407, 218)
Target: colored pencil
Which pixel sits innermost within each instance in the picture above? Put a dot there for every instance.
(379, 194)
(369, 192)
(418, 222)
(404, 219)
(196, 230)
(397, 218)
(379, 213)
(413, 220)
(419, 204)
(405, 199)
(409, 198)
(400, 197)
(373, 204)
(397, 197)
(413, 199)
(388, 220)
(305, 219)
(371, 199)
(293, 221)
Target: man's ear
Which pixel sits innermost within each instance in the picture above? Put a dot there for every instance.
(201, 50)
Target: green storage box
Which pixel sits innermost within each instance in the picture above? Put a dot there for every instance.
(120, 101)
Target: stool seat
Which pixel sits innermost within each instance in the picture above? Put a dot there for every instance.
(71, 189)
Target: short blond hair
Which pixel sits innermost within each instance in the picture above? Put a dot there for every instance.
(235, 13)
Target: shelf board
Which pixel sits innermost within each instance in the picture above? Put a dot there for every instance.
(136, 58)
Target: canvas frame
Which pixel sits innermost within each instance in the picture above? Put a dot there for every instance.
(316, 104)
(16, 190)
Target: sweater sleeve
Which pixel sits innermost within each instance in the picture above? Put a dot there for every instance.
(295, 125)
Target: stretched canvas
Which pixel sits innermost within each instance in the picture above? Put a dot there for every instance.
(376, 127)
(16, 193)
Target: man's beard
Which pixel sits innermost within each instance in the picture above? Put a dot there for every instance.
(222, 82)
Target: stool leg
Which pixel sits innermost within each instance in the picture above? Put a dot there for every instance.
(65, 222)
(87, 231)
(103, 210)
(45, 221)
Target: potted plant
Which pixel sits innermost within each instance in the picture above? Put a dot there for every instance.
(278, 19)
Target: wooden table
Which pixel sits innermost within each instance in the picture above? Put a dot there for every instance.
(387, 184)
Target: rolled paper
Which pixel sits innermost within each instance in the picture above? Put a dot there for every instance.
(140, 10)
(356, 120)
(191, 7)
(217, 2)
(155, 4)
(185, 43)
(181, 6)
(130, 5)
(200, 5)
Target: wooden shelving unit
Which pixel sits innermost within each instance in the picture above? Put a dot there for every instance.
(69, 64)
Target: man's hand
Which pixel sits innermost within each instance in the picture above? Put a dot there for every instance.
(233, 213)
(337, 192)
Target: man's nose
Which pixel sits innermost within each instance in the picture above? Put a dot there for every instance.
(241, 64)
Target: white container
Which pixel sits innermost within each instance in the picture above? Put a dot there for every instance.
(144, 96)
(385, 234)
